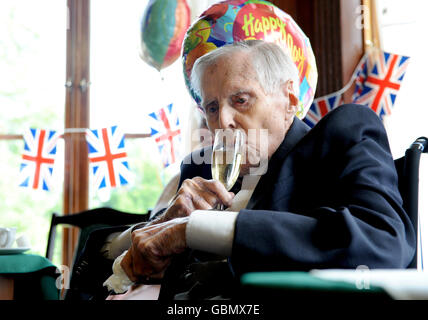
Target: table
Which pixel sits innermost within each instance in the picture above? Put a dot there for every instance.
(303, 285)
(384, 284)
(28, 276)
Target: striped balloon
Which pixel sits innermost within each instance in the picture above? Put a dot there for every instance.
(163, 27)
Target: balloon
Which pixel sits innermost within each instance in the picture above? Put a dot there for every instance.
(163, 27)
(237, 20)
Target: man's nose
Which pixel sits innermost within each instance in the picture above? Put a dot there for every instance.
(227, 117)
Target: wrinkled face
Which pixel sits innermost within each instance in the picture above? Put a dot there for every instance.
(233, 98)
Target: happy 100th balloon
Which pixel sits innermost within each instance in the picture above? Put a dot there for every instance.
(237, 20)
(163, 28)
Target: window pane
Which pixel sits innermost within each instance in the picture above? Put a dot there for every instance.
(401, 27)
(124, 90)
(32, 60)
(402, 30)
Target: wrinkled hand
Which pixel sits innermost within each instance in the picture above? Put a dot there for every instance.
(152, 248)
(197, 194)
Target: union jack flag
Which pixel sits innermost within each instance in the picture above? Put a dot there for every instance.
(108, 158)
(361, 75)
(320, 107)
(165, 129)
(378, 84)
(38, 159)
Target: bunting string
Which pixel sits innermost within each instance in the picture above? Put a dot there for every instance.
(107, 154)
(377, 77)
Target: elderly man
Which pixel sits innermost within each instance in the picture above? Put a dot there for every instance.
(329, 198)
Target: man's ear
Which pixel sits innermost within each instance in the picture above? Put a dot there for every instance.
(293, 101)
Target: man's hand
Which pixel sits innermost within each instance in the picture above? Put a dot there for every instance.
(153, 245)
(152, 248)
(197, 194)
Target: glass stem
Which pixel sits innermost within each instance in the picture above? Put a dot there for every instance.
(220, 207)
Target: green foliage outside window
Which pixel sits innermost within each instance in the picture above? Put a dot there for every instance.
(32, 94)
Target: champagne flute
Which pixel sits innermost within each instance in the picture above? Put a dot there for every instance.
(227, 157)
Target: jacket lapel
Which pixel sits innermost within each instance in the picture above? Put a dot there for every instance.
(296, 132)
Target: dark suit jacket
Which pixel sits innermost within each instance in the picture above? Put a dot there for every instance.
(330, 199)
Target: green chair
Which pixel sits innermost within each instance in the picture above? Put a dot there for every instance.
(92, 223)
(89, 221)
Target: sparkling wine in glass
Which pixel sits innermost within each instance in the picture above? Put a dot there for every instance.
(227, 157)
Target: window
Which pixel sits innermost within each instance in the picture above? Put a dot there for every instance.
(37, 59)
(401, 31)
(124, 90)
(31, 95)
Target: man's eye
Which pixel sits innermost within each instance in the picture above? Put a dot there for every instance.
(210, 110)
(240, 100)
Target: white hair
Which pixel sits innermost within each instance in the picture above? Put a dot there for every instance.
(272, 65)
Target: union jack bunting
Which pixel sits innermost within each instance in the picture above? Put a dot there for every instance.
(361, 75)
(165, 129)
(108, 159)
(320, 107)
(379, 83)
(38, 159)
